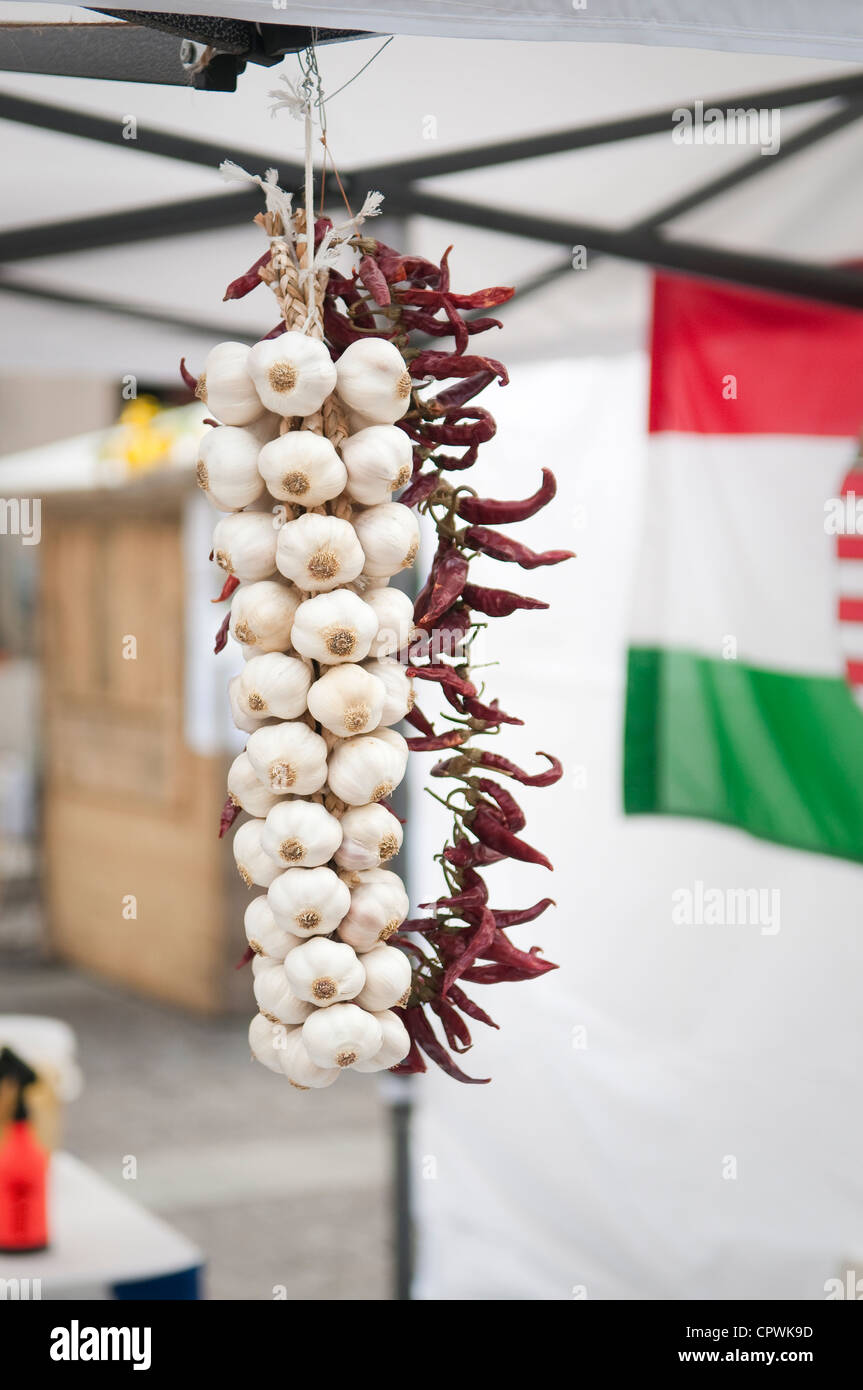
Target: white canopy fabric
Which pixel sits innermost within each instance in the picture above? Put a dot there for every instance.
(832, 29)
(421, 96)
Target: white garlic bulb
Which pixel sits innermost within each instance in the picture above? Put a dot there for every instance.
(302, 467)
(373, 380)
(399, 688)
(388, 979)
(244, 544)
(309, 902)
(324, 972)
(395, 1046)
(241, 719)
(246, 790)
(273, 685)
(227, 467)
(334, 627)
(259, 963)
(342, 1035)
(371, 835)
(364, 769)
(226, 386)
(293, 374)
(267, 939)
(299, 1068)
(262, 615)
(348, 700)
(378, 460)
(289, 758)
(301, 834)
(253, 862)
(319, 552)
(389, 535)
(379, 905)
(266, 1040)
(395, 740)
(274, 996)
(395, 614)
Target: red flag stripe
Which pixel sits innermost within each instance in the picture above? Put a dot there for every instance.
(849, 547)
(728, 361)
(851, 610)
(854, 672)
(853, 483)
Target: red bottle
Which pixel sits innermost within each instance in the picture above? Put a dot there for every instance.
(23, 1173)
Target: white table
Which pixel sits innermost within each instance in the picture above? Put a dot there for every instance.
(103, 1245)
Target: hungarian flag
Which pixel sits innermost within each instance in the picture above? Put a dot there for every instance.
(745, 671)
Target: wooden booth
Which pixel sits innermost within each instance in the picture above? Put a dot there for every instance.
(137, 886)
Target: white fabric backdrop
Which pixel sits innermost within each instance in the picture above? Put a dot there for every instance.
(599, 1169)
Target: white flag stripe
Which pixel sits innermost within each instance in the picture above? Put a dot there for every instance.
(738, 559)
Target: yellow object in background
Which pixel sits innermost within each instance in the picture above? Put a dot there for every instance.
(142, 439)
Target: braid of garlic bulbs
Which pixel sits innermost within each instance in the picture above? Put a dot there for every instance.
(319, 628)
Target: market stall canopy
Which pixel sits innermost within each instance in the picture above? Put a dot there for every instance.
(832, 29)
(118, 235)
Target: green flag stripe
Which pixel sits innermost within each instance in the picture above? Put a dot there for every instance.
(778, 755)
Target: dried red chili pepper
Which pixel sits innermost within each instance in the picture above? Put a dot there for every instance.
(458, 465)
(451, 432)
(280, 328)
(475, 943)
(230, 584)
(436, 744)
(498, 603)
(413, 1063)
(496, 975)
(222, 634)
(470, 854)
(495, 836)
(441, 365)
(420, 924)
(469, 900)
(445, 637)
(188, 379)
(322, 226)
(374, 280)
(447, 676)
(456, 1030)
(461, 393)
(513, 816)
(447, 579)
(244, 958)
(398, 268)
(480, 299)
(500, 547)
(489, 714)
(495, 762)
(422, 1034)
(421, 488)
(230, 811)
(467, 1006)
(244, 284)
(416, 717)
(479, 510)
(514, 916)
(502, 952)
(338, 329)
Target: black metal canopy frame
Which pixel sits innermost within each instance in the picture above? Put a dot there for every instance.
(138, 50)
